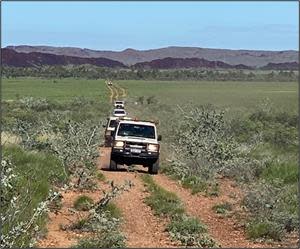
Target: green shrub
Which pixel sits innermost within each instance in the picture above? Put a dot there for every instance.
(222, 208)
(108, 239)
(113, 210)
(100, 176)
(161, 201)
(195, 184)
(33, 176)
(288, 172)
(264, 229)
(83, 203)
(80, 224)
(190, 232)
(274, 204)
(186, 225)
(213, 189)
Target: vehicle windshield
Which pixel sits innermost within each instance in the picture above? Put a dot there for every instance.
(112, 123)
(119, 102)
(119, 112)
(135, 130)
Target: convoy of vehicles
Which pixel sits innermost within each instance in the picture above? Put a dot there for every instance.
(132, 141)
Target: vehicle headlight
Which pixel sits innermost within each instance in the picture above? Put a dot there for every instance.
(118, 144)
(153, 147)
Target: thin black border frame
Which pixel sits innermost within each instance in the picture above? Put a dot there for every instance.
(169, 1)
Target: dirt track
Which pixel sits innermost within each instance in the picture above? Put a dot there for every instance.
(116, 92)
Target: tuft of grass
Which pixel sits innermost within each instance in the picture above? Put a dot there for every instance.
(264, 229)
(161, 201)
(288, 172)
(190, 232)
(107, 239)
(83, 203)
(213, 190)
(195, 184)
(113, 210)
(186, 225)
(222, 208)
(100, 176)
(80, 224)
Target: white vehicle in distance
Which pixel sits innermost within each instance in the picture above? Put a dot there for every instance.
(119, 104)
(119, 113)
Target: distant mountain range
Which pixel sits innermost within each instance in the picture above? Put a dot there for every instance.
(163, 58)
(177, 63)
(12, 58)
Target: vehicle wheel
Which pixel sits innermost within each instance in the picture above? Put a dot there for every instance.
(153, 169)
(113, 165)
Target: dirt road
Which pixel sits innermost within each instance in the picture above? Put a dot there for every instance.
(116, 92)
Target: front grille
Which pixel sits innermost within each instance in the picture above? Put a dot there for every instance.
(131, 145)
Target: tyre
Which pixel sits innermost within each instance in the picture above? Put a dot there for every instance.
(113, 165)
(153, 169)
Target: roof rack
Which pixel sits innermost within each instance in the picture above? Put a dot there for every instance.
(150, 121)
(126, 118)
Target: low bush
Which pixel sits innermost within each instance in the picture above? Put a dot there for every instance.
(114, 211)
(287, 172)
(100, 176)
(195, 184)
(26, 193)
(162, 201)
(190, 232)
(273, 204)
(83, 203)
(222, 208)
(107, 239)
(263, 229)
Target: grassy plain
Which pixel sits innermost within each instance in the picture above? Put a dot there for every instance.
(54, 89)
(235, 95)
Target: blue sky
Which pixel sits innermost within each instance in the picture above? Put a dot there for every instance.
(146, 25)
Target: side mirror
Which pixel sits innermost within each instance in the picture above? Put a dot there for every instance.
(159, 137)
(104, 126)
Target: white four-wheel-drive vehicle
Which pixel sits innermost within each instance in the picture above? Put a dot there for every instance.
(136, 142)
(119, 104)
(119, 113)
(109, 130)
